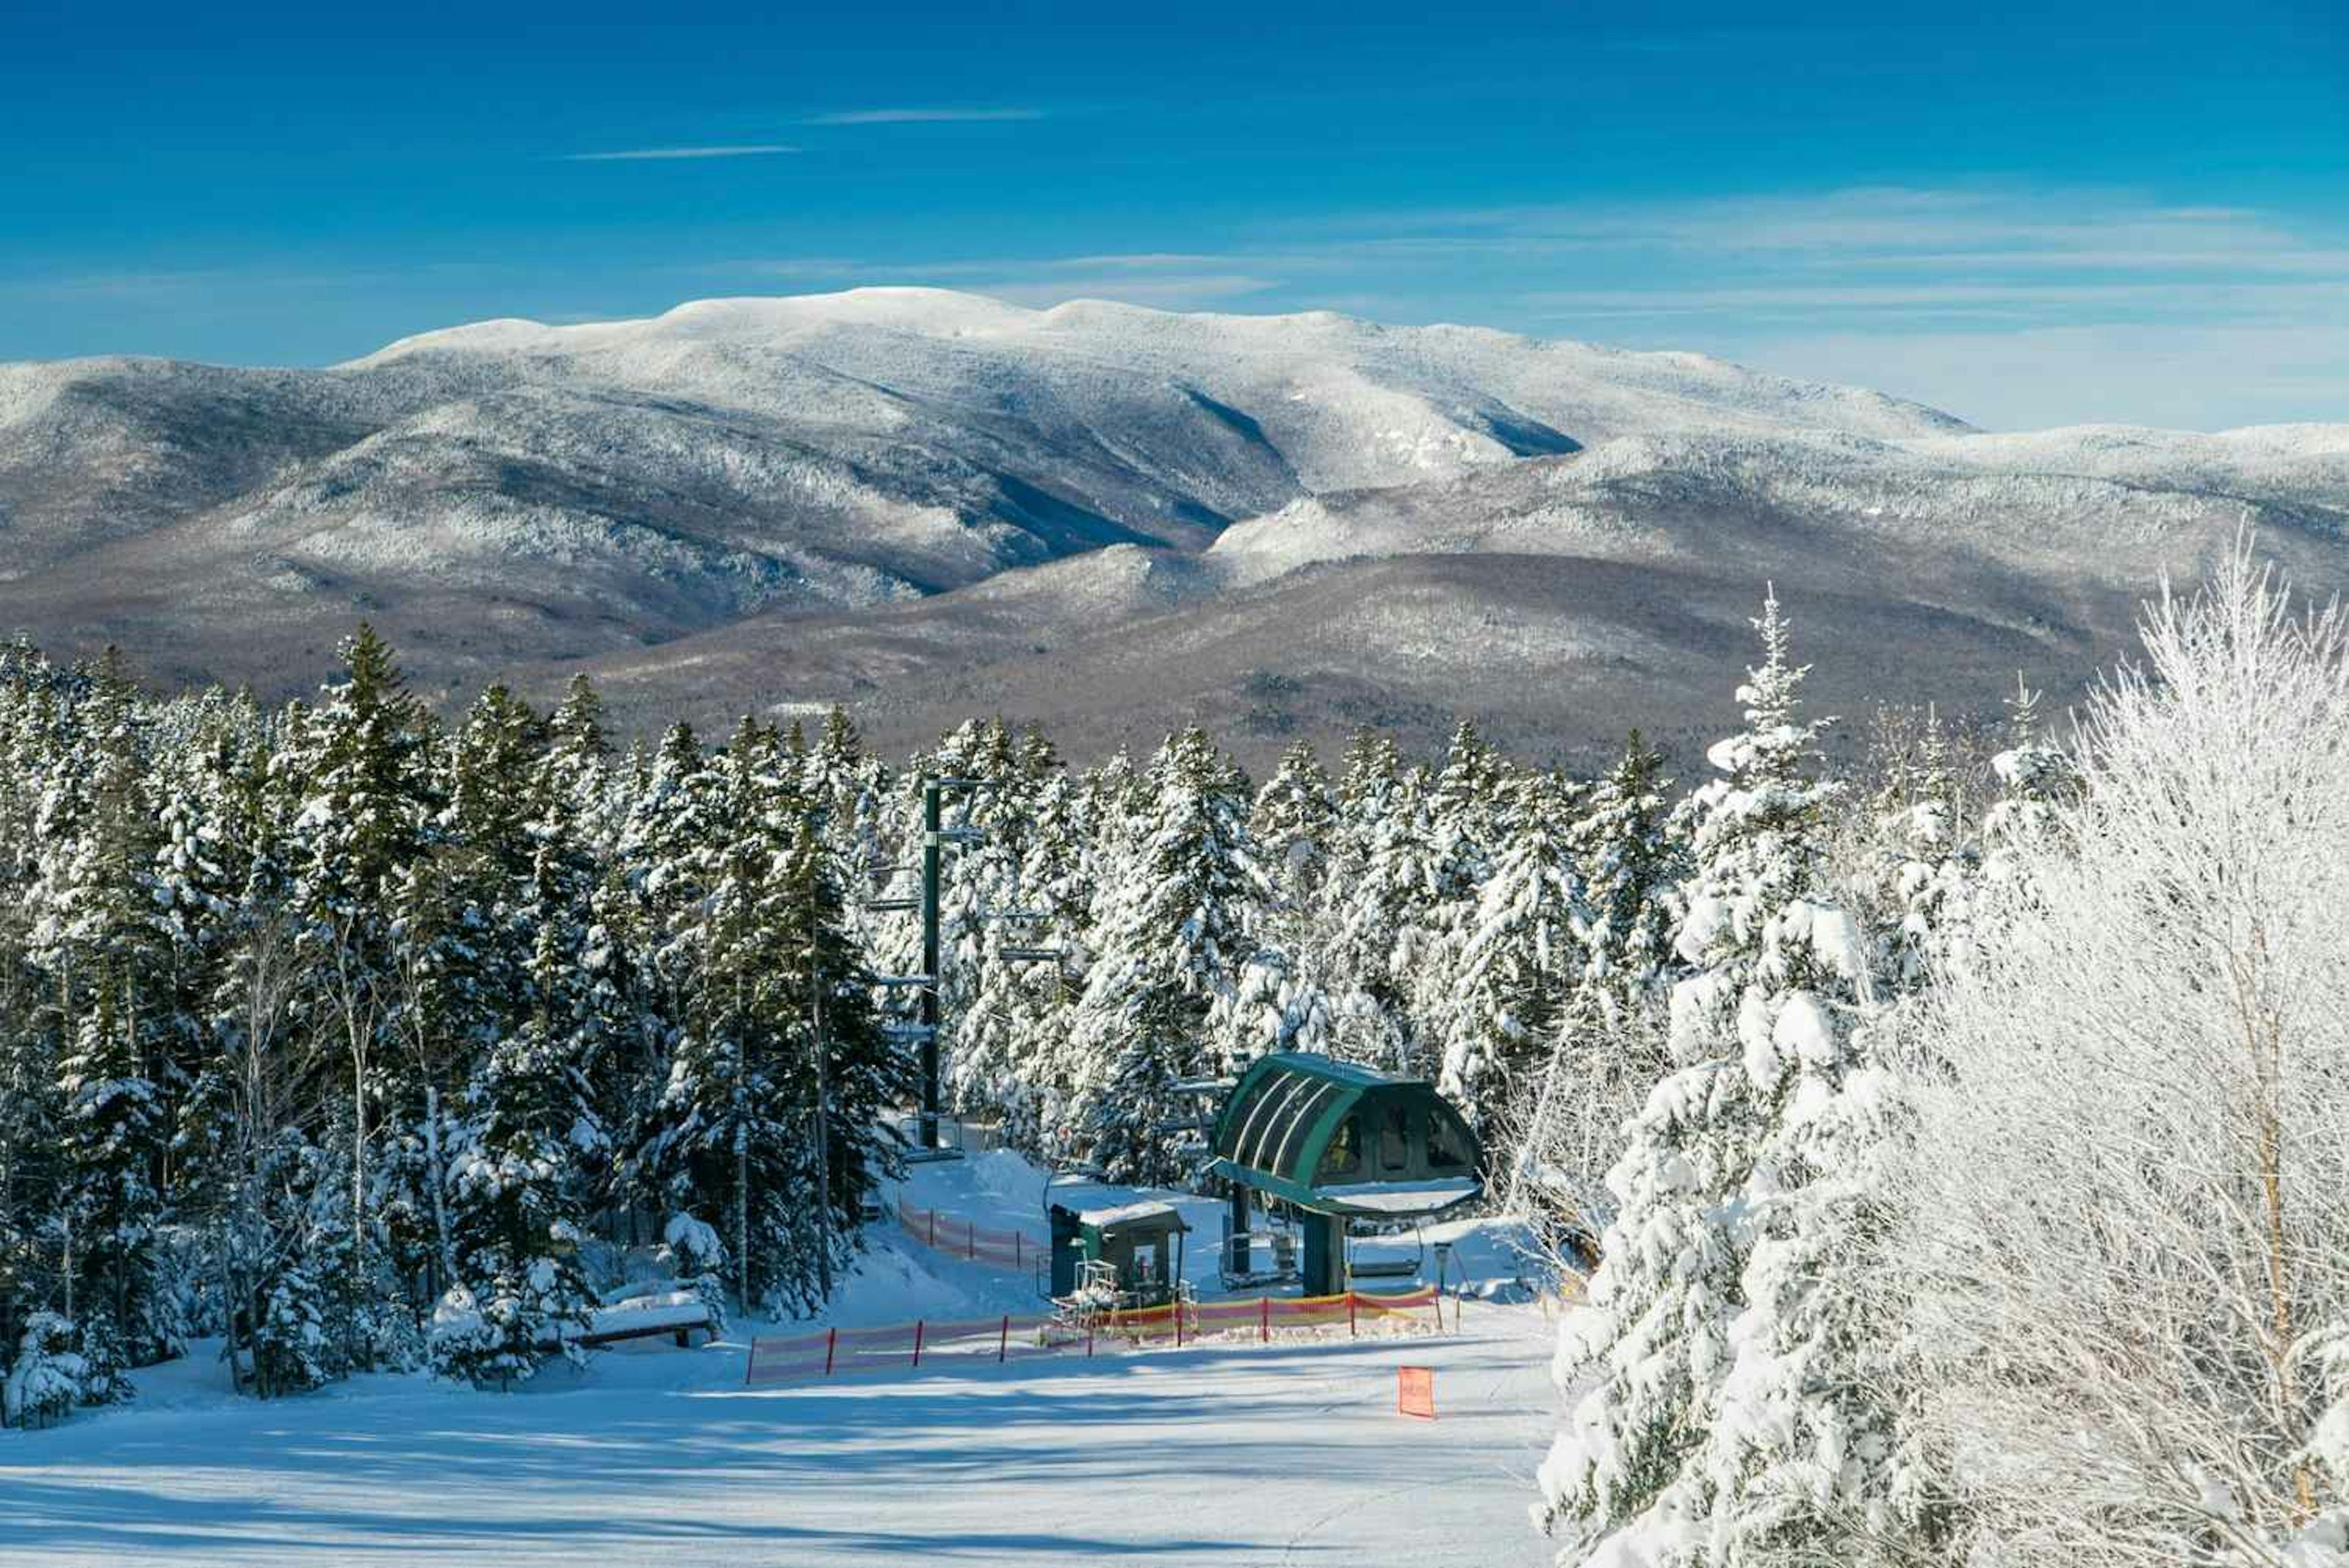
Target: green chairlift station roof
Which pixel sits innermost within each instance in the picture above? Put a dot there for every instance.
(1333, 1137)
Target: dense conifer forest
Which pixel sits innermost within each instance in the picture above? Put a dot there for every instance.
(318, 1022)
(1906, 1126)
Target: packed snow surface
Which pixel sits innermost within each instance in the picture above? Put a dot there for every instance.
(1236, 1457)
(1223, 1455)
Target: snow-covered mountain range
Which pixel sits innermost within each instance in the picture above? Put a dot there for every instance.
(1104, 517)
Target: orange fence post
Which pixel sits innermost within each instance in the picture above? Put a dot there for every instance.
(1352, 1332)
(1003, 1345)
(831, 1343)
(1264, 1304)
(1415, 1392)
(970, 1244)
(918, 1341)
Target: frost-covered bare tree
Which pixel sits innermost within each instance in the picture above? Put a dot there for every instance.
(1563, 1127)
(2126, 1211)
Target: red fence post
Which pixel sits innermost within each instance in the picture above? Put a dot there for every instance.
(1178, 1323)
(831, 1343)
(971, 1243)
(1352, 1332)
(1267, 1305)
(1003, 1345)
(934, 1227)
(918, 1341)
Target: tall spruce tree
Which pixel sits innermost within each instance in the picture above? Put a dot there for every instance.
(1377, 899)
(1173, 935)
(1513, 961)
(1711, 1352)
(521, 1181)
(1294, 822)
(1607, 1051)
(109, 957)
(363, 822)
(735, 1120)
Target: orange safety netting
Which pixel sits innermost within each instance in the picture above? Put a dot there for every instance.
(959, 1238)
(949, 1344)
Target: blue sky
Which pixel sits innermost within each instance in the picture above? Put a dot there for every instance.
(2028, 214)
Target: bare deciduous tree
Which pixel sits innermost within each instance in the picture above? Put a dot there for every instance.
(2125, 1227)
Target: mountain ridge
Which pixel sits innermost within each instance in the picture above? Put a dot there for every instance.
(906, 486)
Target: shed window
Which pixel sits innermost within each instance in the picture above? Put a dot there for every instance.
(1446, 1149)
(1344, 1155)
(1394, 1139)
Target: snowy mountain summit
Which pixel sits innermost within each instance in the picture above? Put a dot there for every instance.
(847, 496)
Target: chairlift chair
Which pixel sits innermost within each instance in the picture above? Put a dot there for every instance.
(1396, 1266)
(1278, 1254)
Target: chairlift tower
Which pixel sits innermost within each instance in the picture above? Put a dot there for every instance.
(934, 837)
(924, 1031)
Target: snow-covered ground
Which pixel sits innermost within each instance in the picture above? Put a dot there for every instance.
(1288, 1453)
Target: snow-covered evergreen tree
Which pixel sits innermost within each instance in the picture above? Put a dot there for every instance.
(1513, 961)
(44, 1380)
(1034, 1002)
(646, 907)
(1929, 867)
(1606, 1051)
(1630, 865)
(109, 955)
(532, 1145)
(1172, 938)
(2036, 781)
(1378, 898)
(1721, 1420)
(1294, 824)
(1467, 813)
(734, 1144)
(359, 761)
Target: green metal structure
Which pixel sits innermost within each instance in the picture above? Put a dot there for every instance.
(1336, 1141)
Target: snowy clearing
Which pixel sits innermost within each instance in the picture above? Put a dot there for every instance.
(1273, 1455)
(653, 1454)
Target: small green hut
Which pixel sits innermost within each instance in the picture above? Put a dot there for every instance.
(1142, 1243)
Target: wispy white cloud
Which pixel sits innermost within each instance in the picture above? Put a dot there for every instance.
(664, 154)
(1942, 297)
(2034, 376)
(923, 116)
(1860, 225)
(130, 287)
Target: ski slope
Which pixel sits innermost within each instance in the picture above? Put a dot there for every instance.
(1222, 1455)
(1234, 1456)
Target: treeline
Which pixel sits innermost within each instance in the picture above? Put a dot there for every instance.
(346, 1034)
(363, 1039)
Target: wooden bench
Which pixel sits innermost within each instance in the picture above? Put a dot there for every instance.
(679, 1320)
